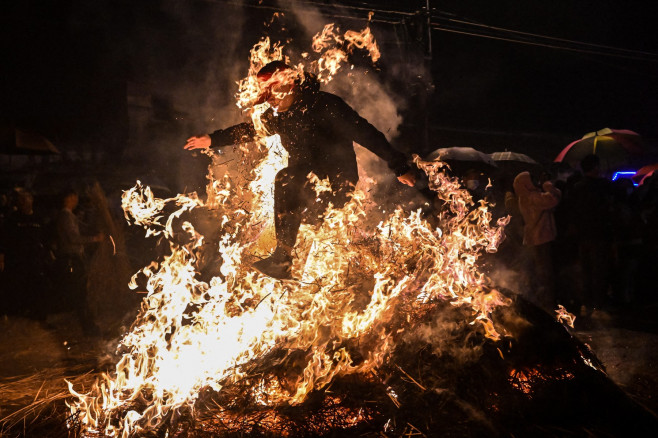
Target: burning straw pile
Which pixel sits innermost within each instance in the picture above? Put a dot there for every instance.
(445, 379)
(259, 344)
(385, 331)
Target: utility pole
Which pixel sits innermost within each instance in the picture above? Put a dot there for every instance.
(428, 31)
(428, 69)
(418, 56)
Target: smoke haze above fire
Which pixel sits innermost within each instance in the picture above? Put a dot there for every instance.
(199, 80)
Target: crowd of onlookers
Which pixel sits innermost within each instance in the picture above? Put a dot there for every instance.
(583, 241)
(44, 257)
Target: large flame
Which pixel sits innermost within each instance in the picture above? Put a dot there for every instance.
(341, 314)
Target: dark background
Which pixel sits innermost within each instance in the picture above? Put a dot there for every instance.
(117, 81)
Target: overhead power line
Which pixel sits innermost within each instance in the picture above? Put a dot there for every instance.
(437, 26)
(447, 22)
(365, 9)
(471, 23)
(465, 27)
(327, 9)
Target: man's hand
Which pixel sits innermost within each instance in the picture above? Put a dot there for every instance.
(198, 142)
(408, 178)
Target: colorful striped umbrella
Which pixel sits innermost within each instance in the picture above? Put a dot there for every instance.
(617, 149)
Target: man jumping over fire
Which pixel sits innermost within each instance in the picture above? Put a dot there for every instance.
(317, 129)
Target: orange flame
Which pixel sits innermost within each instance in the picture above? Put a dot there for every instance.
(564, 317)
(334, 49)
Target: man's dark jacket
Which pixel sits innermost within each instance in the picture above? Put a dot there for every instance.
(317, 131)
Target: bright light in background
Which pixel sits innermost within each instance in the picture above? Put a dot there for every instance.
(625, 174)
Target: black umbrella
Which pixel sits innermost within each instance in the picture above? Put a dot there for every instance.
(461, 159)
(513, 163)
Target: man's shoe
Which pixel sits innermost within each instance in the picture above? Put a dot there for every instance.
(278, 265)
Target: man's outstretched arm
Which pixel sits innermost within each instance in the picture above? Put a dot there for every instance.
(240, 133)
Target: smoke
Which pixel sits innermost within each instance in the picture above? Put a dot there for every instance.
(197, 76)
(185, 60)
(516, 280)
(370, 98)
(449, 335)
(211, 58)
(310, 19)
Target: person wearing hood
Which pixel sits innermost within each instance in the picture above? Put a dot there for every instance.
(536, 206)
(318, 130)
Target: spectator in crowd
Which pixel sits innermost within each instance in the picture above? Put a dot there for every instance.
(648, 210)
(628, 243)
(5, 208)
(536, 206)
(514, 230)
(4, 211)
(591, 216)
(72, 261)
(506, 205)
(507, 266)
(24, 259)
(476, 184)
(566, 262)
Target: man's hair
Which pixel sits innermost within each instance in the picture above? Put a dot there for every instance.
(590, 162)
(270, 68)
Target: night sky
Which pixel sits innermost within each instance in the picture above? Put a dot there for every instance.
(524, 88)
(69, 66)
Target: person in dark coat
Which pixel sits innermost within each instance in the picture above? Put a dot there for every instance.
(26, 260)
(593, 221)
(317, 129)
(72, 261)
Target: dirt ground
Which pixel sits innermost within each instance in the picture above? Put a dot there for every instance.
(626, 341)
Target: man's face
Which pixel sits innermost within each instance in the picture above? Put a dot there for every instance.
(277, 87)
(277, 92)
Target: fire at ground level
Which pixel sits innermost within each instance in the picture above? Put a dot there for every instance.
(547, 381)
(442, 378)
